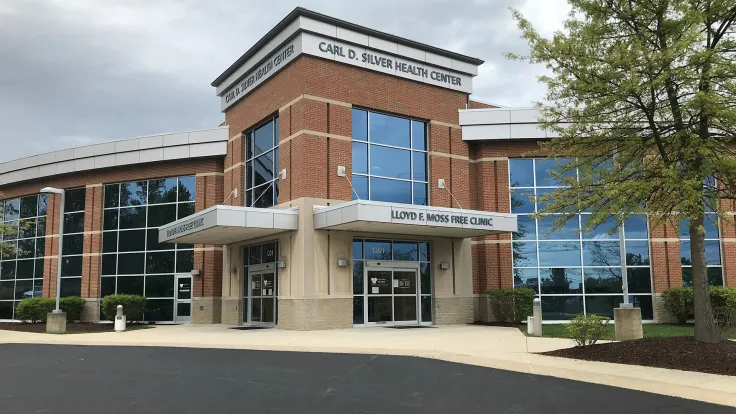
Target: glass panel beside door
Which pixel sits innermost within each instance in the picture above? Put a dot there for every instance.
(261, 301)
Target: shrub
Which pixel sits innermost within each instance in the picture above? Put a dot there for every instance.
(586, 330)
(34, 310)
(133, 306)
(73, 306)
(723, 300)
(678, 302)
(511, 305)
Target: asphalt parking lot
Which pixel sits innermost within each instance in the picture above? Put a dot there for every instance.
(95, 379)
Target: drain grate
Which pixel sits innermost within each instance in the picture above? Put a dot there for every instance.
(248, 328)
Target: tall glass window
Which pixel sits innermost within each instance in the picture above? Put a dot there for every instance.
(262, 165)
(133, 261)
(21, 263)
(389, 158)
(571, 270)
(71, 252)
(713, 262)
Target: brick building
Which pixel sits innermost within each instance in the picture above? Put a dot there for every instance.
(353, 183)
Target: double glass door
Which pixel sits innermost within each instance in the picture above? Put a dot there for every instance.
(392, 296)
(261, 300)
(183, 310)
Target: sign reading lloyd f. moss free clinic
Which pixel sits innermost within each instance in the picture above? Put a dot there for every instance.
(440, 218)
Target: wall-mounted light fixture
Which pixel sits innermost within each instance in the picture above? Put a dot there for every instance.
(282, 264)
(195, 272)
(444, 265)
(342, 262)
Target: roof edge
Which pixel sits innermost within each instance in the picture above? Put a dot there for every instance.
(300, 11)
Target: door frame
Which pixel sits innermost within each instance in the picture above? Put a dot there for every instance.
(177, 301)
(392, 266)
(260, 269)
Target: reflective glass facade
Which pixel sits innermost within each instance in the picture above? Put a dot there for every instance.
(573, 271)
(262, 165)
(133, 261)
(73, 243)
(712, 252)
(389, 158)
(21, 264)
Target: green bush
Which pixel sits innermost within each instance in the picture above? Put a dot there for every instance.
(723, 300)
(678, 302)
(34, 310)
(586, 330)
(133, 306)
(73, 306)
(511, 305)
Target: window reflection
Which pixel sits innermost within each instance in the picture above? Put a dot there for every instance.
(570, 264)
(133, 261)
(394, 149)
(262, 165)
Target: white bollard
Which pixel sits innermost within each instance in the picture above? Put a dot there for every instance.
(537, 322)
(530, 325)
(120, 320)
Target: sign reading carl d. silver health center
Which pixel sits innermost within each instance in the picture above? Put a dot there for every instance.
(364, 57)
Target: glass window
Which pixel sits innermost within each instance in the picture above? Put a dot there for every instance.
(603, 280)
(28, 206)
(406, 251)
(635, 227)
(560, 280)
(563, 254)
(360, 158)
(557, 308)
(637, 253)
(522, 201)
(377, 250)
(605, 230)
(162, 191)
(526, 278)
(133, 194)
(74, 200)
(524, 254)
(396, 152)
(393, 191)
(389, 130)
(360, 125)
(133, 260)
(601, 253)
(544, 168)
(418, 135)
(261, 172)
(521, 172)
(390, 162)
(551, 229)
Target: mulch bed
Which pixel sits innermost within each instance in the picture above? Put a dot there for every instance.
(70, 327)
(679, 352)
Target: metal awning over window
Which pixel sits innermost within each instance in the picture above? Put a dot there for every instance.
(229, 224)
(392, 218)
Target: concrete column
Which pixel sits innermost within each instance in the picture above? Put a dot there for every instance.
(627, 322)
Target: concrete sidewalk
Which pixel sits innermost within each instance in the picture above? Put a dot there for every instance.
(494, 347)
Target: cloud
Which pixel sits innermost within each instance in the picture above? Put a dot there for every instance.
(83, 71)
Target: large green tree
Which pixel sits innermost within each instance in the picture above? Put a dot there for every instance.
(643, 94)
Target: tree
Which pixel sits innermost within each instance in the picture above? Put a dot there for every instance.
(643, 94)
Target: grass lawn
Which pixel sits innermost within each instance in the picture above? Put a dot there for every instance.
(650, 331)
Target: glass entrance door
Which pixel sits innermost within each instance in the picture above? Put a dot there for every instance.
(262, 285)
(183, 310)
(392, 296)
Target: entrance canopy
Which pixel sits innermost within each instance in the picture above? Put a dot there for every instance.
(392, 218)
(229, 224)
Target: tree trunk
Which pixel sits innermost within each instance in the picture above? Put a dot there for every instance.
(705, 327)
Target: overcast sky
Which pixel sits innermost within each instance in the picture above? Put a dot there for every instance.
(77, 72)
